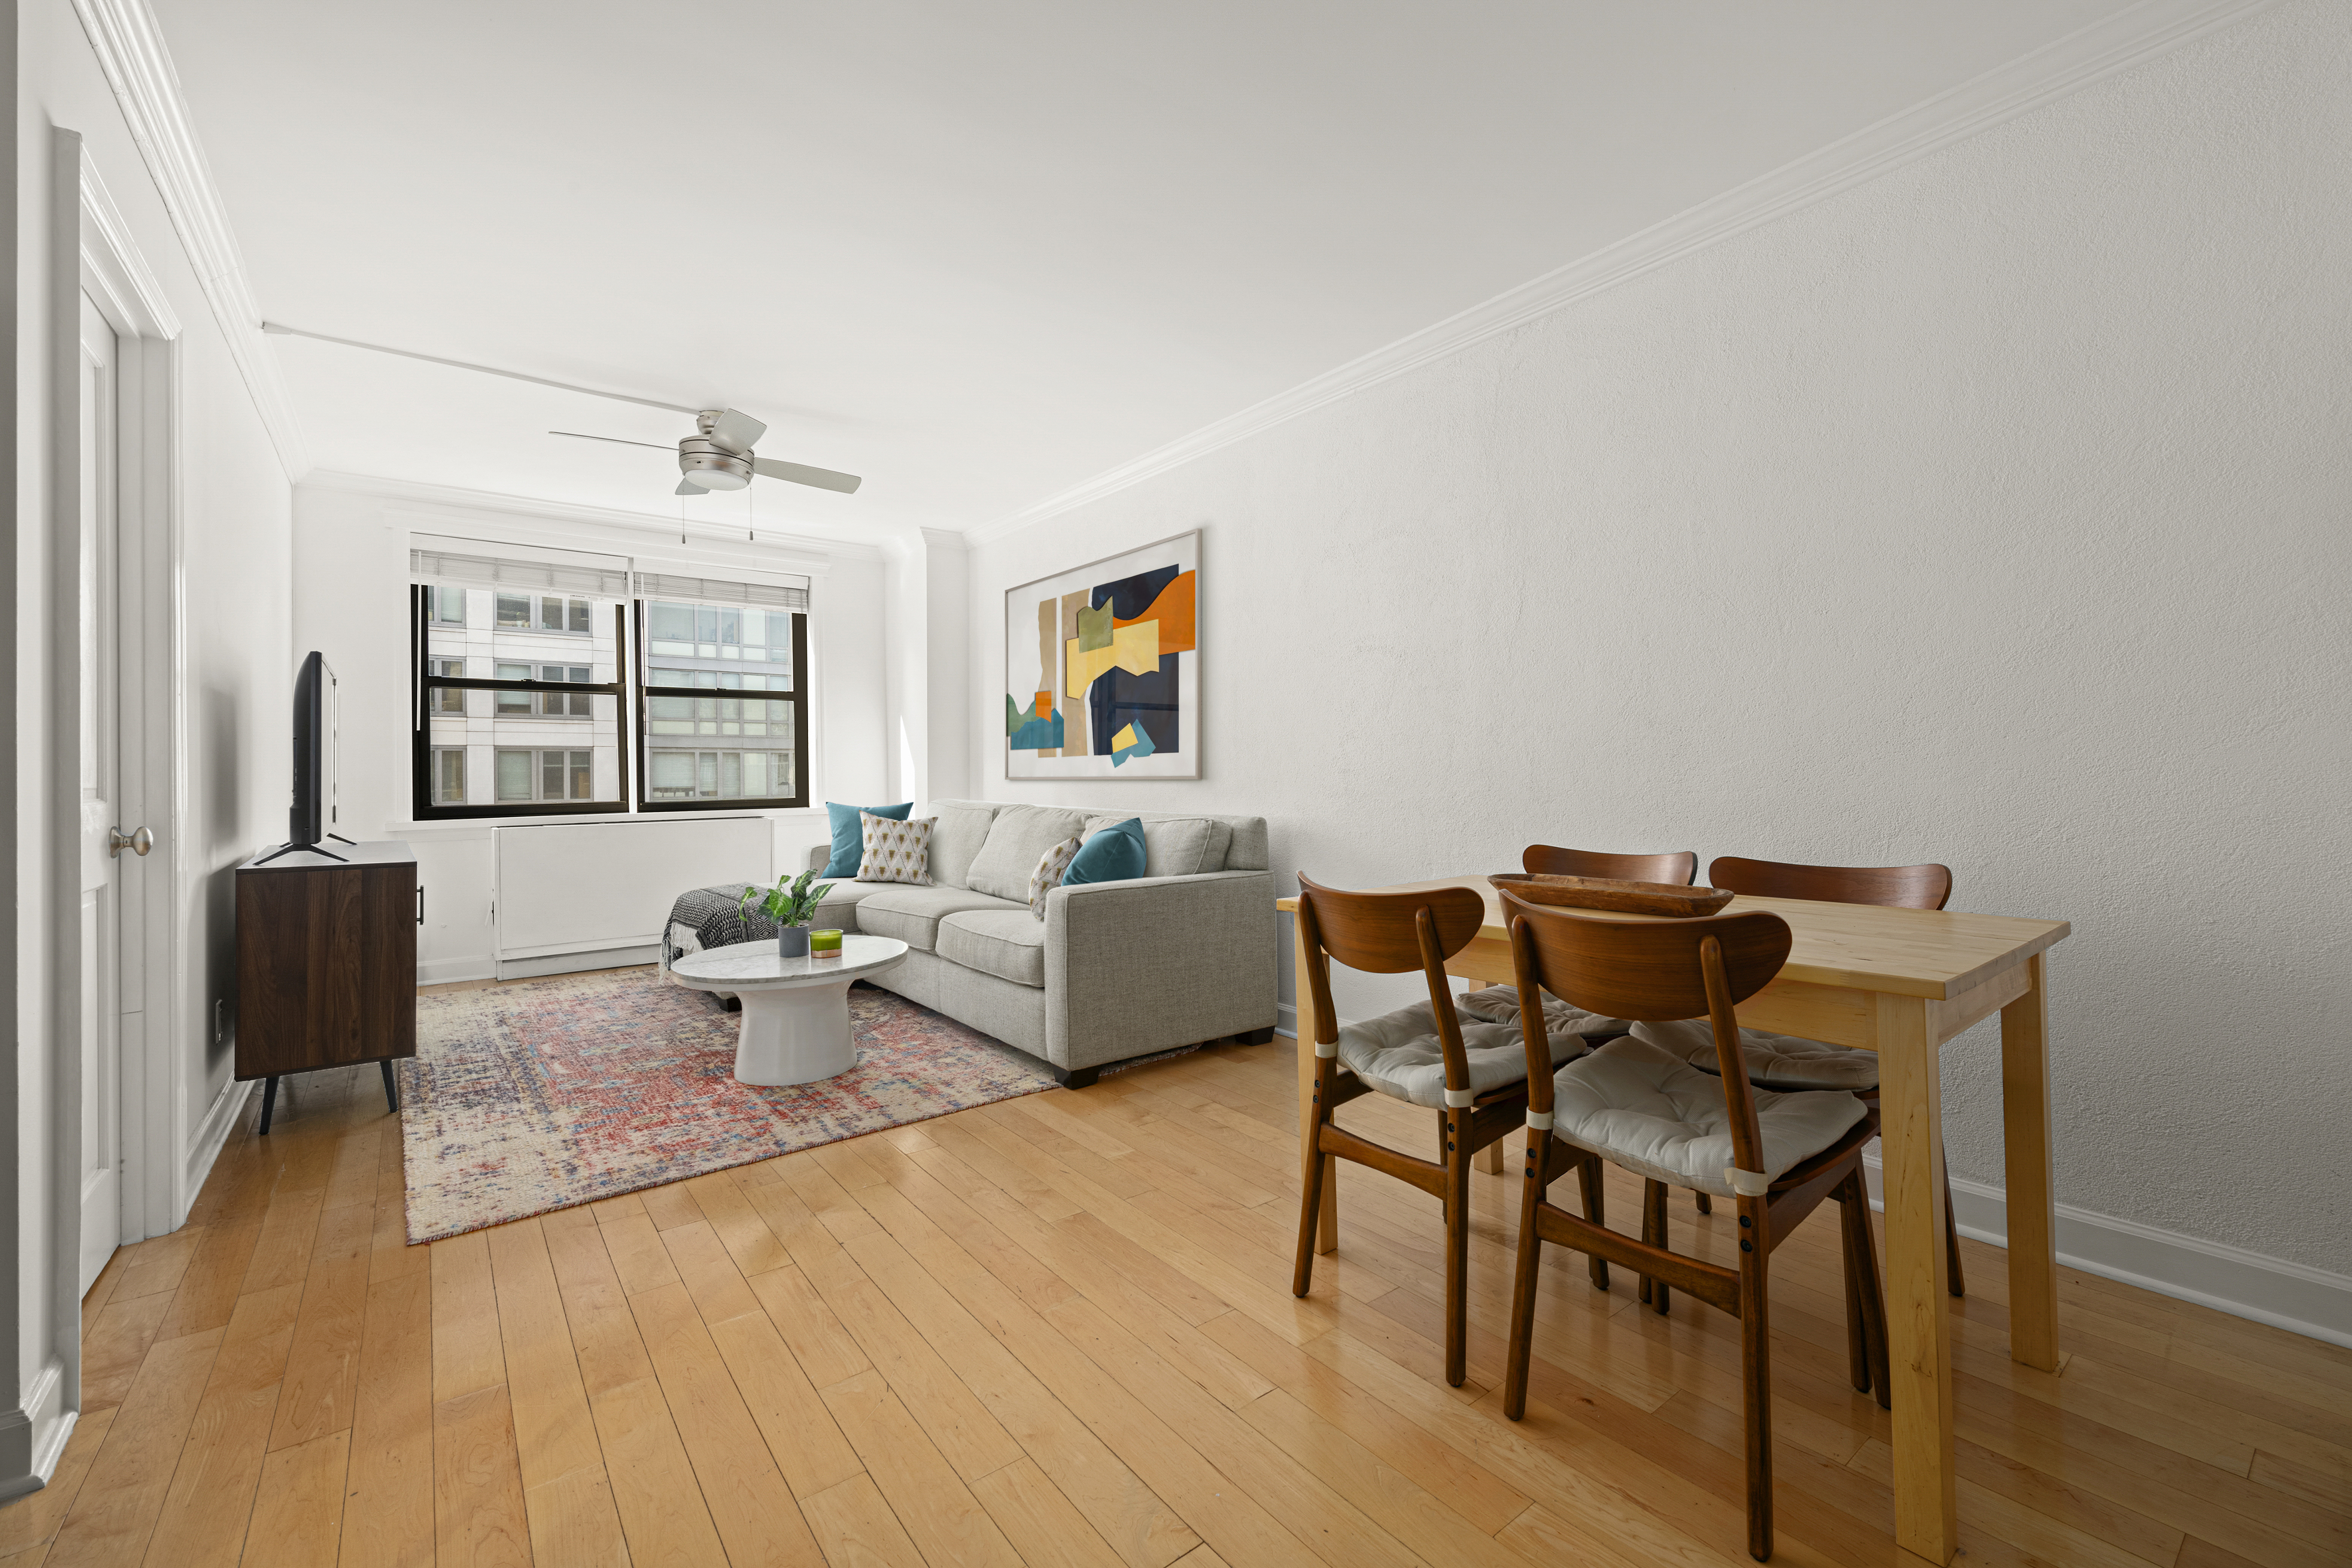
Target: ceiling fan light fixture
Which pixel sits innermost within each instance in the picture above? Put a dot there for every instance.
(706, 463)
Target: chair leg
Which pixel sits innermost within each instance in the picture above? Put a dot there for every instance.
(1302, 1274)
(1857, 1338)
(1523, 1276)
(1872, 1295)
(1954, 1281)
(1756, 1382)
(1457, 1247)
(1706, 1204)
(1654, 1230)
(1589, 1180)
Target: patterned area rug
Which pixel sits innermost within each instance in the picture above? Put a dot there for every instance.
(532, 1097)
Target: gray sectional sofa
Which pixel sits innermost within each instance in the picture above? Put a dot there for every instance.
(1183, 955)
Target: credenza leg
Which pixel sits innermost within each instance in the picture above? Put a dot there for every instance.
(268, 1102)
(391, 1086)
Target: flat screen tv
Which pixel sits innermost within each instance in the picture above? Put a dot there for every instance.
(313, 819)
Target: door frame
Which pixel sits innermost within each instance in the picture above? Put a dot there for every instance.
(150, 777)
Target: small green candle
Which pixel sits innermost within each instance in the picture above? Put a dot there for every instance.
(825, 944)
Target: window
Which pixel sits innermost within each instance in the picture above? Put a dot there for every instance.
(720, 711)
(448, 699)
(546, 775)
(713, 689)
(549, 735)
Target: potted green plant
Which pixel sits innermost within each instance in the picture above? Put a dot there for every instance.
(792, 907)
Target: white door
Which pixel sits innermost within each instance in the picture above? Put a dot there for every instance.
(101, 1121)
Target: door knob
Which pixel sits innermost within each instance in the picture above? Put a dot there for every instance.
(138, 843)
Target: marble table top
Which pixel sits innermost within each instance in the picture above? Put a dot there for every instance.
(756, 964)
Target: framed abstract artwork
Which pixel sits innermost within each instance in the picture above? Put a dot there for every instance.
(1102, 669)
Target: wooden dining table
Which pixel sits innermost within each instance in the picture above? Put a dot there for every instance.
(1900, 983)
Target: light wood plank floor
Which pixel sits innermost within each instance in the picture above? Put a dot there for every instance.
(1059, 1332)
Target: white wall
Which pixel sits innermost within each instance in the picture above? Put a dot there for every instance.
(237, 681)
(1992, 512)
(351, 588)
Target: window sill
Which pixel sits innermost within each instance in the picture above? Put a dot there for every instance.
(479, 826)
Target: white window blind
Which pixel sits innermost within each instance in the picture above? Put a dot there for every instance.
(716, 591)
(514, 566)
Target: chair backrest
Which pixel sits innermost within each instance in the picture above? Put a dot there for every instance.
(1896, 887)
(1552, 860)
(1389, 933)
(1648, 971)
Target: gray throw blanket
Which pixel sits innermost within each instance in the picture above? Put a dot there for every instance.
(706, 918)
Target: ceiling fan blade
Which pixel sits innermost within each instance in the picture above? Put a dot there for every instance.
(616, 440)
(802, 474)
(688, 487)
(737, 431)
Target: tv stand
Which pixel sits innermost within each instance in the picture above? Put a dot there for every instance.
(326, 964)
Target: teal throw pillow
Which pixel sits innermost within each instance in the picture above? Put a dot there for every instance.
(849, 839)
(1114, 854)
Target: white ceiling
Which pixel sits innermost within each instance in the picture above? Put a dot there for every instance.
(977, 253)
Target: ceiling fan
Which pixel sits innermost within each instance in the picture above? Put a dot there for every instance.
(719, 457)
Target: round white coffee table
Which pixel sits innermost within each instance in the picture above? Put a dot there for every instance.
(795, 1026)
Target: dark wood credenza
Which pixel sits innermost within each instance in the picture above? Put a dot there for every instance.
(326, 962)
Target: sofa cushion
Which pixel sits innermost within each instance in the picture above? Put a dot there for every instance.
(913, 914)
(1049, 874)
(849, 834)
(1017, 839)
(1115, 854)
(839, 910)
(896, 851)
(1177, 846)
(1638, 1106)
(1007, 944)
(1400, 1054)
(1786, 1062)
(956, 837)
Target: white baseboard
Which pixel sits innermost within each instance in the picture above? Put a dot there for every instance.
(33, 1435)
(2290, 1296)
(577, 962)
(219, 1119)
(443, 970)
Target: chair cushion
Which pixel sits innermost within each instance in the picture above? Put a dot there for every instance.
(1635, 1104)
(959, 832)
(1007, 943)
(1500, 1005)
(1400, 1054)
(1785, 1062)
(913, 914)
(1018, 836)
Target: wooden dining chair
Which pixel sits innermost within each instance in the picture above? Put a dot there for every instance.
(1552, 860)
(1792, 1062)
(1777, 1156)
(1473, 1075)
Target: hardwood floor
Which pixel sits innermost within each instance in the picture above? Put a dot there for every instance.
(1058, 1331)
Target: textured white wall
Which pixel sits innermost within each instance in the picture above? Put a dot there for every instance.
(1994, 513)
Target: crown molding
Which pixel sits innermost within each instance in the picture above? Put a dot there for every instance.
(2137, 34)
(129, 44)
(490, 504)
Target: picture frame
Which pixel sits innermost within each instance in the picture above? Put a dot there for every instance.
(1102, 668)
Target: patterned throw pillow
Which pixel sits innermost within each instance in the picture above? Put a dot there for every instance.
(896, 851)
(1049, 874)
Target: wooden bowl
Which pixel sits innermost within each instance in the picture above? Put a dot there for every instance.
(1625, 897)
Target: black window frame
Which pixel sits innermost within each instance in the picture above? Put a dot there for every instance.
(797, 696)
(424, 681)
